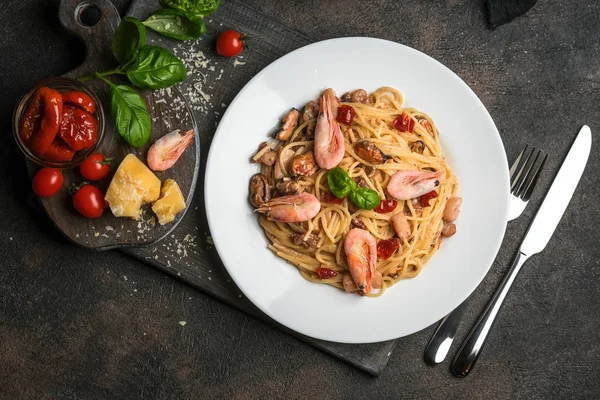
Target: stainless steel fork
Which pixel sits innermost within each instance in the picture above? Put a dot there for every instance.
(523, 176)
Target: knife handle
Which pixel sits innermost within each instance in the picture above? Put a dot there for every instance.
(471, 347)
(440, 342)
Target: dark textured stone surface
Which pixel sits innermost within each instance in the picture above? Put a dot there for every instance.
(76, 324)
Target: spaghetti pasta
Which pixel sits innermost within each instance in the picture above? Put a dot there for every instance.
(317, 244)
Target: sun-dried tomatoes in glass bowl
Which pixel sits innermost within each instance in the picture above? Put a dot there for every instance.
(80, 121)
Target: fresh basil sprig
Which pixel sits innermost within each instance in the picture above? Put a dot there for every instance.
(197, 7)
(129, 37)
(147, 67)
(176, 24)
(364, 198)
(132, 119)
(156, 68)
(341, 185)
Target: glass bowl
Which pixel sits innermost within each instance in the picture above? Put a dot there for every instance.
(60, 84)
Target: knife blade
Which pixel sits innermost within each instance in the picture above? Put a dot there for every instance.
(559, 195)
(537, 237)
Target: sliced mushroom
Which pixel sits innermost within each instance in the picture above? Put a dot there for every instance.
(304, 164)
(448, 230)
(288, 187)
(288, 123)
(401, 225)
(452, 209)
(286, 157)
(417, 147)
(310, 242)
(260, 191)
(268, 158)
(277, 172)
(357, 223)
(369, 152)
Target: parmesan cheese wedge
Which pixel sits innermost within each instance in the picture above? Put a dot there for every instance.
(170, 204)
(133, 185)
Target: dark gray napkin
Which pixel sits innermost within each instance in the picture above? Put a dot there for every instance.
(502, 11)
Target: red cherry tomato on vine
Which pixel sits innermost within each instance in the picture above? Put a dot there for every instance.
(47, 182)
(95, 168)
(230, 43)
(89, 201)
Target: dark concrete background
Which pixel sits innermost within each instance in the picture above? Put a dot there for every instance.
(78, 324)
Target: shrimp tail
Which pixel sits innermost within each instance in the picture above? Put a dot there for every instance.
(165, 152)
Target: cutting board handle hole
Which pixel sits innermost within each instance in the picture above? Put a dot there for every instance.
(88, 14)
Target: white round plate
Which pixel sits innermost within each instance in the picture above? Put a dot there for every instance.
(472, 147)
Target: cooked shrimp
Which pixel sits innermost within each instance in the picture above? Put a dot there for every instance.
(406, 185)
(400, 225)
(163, 154)
(361, 253)
(329, 141)
(298, 207)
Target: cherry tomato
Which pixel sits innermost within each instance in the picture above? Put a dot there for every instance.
(47, 182)
(330, 198)
(386, 206)
(404, 123)
(424, 200)
(385, 248)
(345, 115)
(95, 168)
(89, 201)
(326, 273)
(230, 43)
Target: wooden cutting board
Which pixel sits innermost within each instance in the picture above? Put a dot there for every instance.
(187, 252)
(168, 111)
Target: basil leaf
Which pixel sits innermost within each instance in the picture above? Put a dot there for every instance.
(129, 37)
(131, 115)
(198, 7)
(156, 68)
(176, 24)
(340, 182)
(365, 198)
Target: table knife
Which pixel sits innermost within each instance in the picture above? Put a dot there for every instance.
(538, 235)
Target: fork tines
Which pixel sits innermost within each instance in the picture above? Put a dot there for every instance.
(525, 171)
